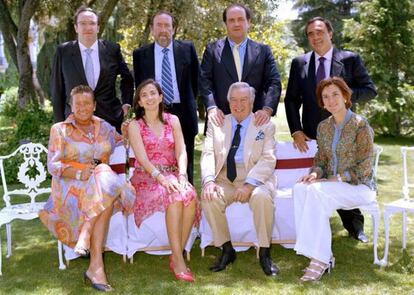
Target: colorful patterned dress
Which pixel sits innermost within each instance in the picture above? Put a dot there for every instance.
(151, 196)
(72, 201)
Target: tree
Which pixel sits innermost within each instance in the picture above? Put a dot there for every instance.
(333, 10)
(383, 34)
(16, 36)
(15, 17)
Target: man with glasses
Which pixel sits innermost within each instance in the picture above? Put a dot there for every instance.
(94, 62)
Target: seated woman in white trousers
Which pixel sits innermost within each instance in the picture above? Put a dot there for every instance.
(341, 176)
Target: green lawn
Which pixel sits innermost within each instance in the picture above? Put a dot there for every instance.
(33, 268)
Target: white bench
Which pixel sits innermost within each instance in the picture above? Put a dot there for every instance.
(290, 165)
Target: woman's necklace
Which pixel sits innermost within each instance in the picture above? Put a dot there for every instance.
(88, 131)
(90, 135)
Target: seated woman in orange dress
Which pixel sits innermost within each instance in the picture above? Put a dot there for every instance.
(84, 188)
(160, 178)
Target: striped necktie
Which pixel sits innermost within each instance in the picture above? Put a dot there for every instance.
(166, 78)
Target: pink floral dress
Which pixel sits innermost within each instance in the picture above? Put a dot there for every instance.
(72, 201)
(151, 196)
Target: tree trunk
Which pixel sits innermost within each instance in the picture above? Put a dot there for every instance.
(145, 34)
(9, 30)
(26, 87)
(106, 14)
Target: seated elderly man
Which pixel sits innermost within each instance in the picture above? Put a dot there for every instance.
(237, 165)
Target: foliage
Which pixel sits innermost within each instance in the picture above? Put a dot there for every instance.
(198, 20)
(29, 124)
(8, 79)
(277, 35)
(333, 10)
(384, 36)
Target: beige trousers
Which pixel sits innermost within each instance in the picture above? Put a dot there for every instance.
(261, 204)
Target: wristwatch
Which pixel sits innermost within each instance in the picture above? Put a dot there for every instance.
(78, 174)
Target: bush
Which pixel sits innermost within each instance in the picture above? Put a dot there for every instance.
(31, 124)
(391, 118)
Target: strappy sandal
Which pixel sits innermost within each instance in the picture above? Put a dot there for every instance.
(331, 263)
(84, 252)
(315, 271)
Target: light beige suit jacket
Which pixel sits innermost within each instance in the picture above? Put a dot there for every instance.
(258, 155)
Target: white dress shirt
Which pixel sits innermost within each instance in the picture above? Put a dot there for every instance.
(158, 57)
(95, 59)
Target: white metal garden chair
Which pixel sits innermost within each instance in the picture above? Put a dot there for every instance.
(31, 174)
(404, 205)
(373, 208)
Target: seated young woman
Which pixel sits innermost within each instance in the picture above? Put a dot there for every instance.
(160, 178)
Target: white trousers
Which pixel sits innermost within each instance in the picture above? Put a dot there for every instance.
(314, 204)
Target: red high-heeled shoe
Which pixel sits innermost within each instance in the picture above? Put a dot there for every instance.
(184, 276)
(187, 276)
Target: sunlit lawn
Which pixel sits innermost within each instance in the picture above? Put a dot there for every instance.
(33, 268)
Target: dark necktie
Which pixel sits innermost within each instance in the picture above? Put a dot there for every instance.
(231, 164)
(166, 78)
(320, 73)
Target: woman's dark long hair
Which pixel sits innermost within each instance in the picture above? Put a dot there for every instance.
(140, 111)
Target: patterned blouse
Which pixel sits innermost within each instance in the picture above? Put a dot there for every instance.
(345, 150)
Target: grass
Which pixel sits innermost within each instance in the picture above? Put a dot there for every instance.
(33, 267)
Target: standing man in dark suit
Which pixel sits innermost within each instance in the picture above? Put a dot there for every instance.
(305, 73)
(92, 62)
(174, 64)
(237, 58)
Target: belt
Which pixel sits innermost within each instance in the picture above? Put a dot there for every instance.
(161, 168)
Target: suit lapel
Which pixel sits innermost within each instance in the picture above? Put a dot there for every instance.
(77, 61)
(226, 143)
(178, 61)
(227, 139)
(252, 53)
(249, 138)
(311, 81)
(228, 60)
(336, 65)
(149, 61)
(103, 62)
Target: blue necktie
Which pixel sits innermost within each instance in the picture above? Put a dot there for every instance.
(320, 73)
(166, 78)
(89, 72)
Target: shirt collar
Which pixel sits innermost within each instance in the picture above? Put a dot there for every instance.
(158, 49)
(242, 44)
(93, 47)
(327, 55)
(348, 116)
(245, 123)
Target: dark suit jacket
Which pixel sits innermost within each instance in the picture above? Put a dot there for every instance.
(68, 72)
(301, 90)
(187, 71)
(218, 72)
